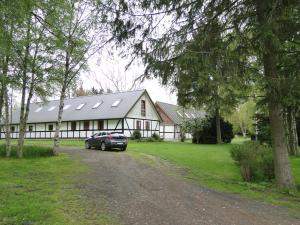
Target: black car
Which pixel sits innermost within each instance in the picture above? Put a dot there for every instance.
(106, 140)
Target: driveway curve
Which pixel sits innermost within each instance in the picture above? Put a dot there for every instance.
(141, 194)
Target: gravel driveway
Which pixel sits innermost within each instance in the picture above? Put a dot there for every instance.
(141, 194)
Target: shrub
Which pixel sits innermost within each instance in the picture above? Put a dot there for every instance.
(182, 137)
(136, 135)
(255, 161)
(29, 151)
(206, 131)
(155, 136)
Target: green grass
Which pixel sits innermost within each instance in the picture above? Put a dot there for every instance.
(42, 191)
(211, 166)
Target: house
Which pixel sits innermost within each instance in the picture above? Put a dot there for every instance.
(172, 118)
(83, 116)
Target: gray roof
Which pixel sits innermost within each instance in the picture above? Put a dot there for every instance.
(104, 111)
(177, 113)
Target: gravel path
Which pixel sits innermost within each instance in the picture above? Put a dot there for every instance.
(140, 194)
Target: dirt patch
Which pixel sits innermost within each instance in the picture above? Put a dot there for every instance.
(141, 194)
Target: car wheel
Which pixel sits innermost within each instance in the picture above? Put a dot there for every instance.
(87, 145)
(124, 149)
(103, 146)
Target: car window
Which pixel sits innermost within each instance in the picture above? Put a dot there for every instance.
(103, 133)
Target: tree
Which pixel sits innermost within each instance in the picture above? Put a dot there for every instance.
(253, 27)
(242, 118)
(79, 35)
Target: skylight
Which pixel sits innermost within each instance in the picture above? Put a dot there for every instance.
(179, 114)
(97, 105)
(193, 115)
(187, 115)
(38, 109)
(66, 107)
(116, 103)
(51, 108)
(80, 106)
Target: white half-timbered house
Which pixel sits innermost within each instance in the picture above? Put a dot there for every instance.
(83, 116)
(172, 118)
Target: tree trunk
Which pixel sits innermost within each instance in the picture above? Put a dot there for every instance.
(283, 173)
(218, 127)
(292, 137)
(22, 126)
(7, 123)
(59, 117)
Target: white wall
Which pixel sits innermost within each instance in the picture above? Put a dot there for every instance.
(151, 113)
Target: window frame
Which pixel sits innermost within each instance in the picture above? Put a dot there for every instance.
(50, 125)
(86, 122)
(138, 125)
(143, 107)
(73, 125)
(30, 128)
(100, 124)
(147, 125)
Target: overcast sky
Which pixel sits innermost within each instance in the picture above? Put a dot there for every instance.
(108, 65)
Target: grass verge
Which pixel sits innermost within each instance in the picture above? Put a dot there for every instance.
(212, 166)
(42, 191)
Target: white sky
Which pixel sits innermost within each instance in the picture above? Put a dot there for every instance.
(106, 65)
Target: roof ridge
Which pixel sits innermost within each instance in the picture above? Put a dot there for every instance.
(167, 103)
(91, 96)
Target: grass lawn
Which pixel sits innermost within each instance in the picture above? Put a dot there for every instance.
(42, 191)
(209, 165)
(212, 166)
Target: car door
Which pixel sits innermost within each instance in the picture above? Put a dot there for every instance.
(98, 139)
(93, 140)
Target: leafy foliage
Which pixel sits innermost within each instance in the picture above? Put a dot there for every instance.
(204, 131)
(136, 135)
(255, 161)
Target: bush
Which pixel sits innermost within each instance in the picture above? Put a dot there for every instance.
(207, 132)
(155, 136)
(255, 161)
(29, 151)
(136, 135)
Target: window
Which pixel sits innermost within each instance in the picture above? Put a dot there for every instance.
(50, 127)
(187, 115)
(86, 125)
(73, 125)
(143, 108)
(147, 125)
(80, 106)
(116, 103)
(179, 114)
(51, 108)
(30, 128)
(100, 124)
(66, 107)
(12, 129)
(97, 105)
(38, 109)
(138, 124)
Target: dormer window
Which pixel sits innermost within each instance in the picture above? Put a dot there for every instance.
(80, 106)
(116, 103)
(143, 107)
